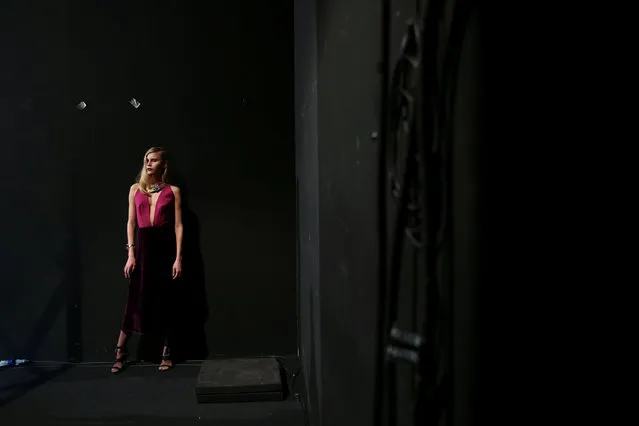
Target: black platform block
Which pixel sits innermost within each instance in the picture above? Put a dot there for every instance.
(239, 380)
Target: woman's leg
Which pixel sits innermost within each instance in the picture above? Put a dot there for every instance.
(121, 352)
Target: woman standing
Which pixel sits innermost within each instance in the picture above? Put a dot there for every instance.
(154, 232)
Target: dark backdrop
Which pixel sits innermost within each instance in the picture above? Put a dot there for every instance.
(215, 86)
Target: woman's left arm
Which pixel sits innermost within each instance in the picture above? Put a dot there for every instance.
(179, 228)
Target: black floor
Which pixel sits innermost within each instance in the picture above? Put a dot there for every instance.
(141, 395)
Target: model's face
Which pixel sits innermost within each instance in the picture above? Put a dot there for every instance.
(154, 164)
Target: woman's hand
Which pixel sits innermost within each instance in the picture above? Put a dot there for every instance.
(177, 269)
(129, 267)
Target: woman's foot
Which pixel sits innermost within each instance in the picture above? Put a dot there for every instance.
(120, 360)
(166, 363)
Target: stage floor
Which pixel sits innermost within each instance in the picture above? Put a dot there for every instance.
(90, 395)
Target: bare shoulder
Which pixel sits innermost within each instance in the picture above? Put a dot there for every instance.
(133, 188)
(175, 189)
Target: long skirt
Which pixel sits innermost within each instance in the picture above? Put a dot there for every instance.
(148, 308)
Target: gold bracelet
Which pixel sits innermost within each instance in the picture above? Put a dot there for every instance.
(128, 246)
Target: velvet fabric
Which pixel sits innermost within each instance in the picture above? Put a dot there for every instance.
(148, 308)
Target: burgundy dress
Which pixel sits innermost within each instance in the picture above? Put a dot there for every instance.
(148, 309)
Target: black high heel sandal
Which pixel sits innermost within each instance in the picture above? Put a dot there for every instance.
(166, 356)
(122, 359)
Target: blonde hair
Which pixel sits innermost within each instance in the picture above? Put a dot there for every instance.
(142, 178)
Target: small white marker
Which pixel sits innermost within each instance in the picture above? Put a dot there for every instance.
(82, 105)
(135, 103)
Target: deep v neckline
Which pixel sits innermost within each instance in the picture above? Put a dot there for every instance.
(153, 209)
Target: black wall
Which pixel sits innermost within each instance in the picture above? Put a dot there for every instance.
(307, 171)
(338, 48)
(337, 109)
(215, 83)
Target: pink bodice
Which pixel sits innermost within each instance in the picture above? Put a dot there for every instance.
(164, 209)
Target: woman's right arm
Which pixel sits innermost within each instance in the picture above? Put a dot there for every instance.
(131, 221)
